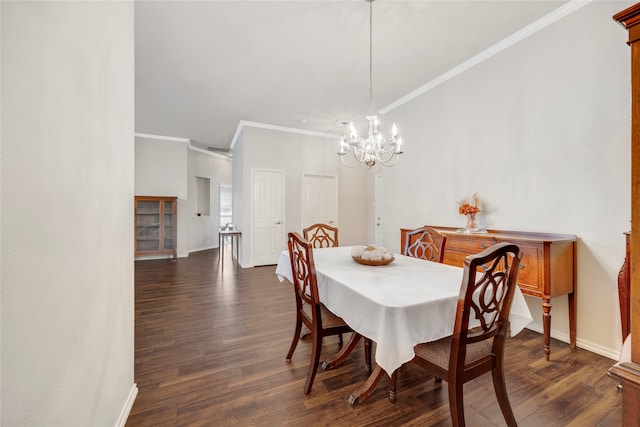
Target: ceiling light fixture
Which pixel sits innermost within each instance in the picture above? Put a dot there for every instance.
(374, 148)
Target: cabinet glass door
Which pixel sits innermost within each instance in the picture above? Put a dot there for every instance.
(147, 226)
(169, 224)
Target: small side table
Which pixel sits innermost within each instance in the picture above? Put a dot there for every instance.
(235, 235)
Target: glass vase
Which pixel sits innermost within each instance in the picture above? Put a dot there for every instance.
(472, 225)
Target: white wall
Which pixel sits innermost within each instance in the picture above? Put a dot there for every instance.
(67, 318)
(298, 154)
(203, 230)
(161, 170)
(542, 132)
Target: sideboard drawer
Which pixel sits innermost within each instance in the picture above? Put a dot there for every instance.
(531, 272)
(460, 246)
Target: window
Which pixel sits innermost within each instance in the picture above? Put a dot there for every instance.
(226, 215)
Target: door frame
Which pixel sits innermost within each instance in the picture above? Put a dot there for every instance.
(378, 208)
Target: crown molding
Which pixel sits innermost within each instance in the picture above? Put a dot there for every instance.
(185, 140)
(243, 123)
(161, 137)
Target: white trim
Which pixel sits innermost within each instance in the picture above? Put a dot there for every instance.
(128, 404)
(211, 153)
(244, 123)
(162, 137)
(205, 248)
(179, 139)
(585, 345)
(514, 38)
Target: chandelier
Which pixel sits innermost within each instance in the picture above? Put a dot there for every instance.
(375, 148)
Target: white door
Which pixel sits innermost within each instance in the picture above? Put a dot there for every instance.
(268, 202)
(379, 207)
(319, 200)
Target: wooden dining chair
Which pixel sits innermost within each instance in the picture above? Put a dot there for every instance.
(321, 235)
(488, 286)
(425, 243)
(309, 310)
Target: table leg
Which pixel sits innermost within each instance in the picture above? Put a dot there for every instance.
(222, 252)
(367, 389)
(343, 353)
(546, 325)
(232, 239)
(572, 319)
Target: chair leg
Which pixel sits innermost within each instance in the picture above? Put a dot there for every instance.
(456, 403)
(503, 397)
(316, 346)
(296, 337)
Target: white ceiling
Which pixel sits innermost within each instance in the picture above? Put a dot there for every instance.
(203, 66)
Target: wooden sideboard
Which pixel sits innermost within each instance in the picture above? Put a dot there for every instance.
(547, 267)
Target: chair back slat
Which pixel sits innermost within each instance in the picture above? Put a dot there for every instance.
(321, 235)
(425, 243)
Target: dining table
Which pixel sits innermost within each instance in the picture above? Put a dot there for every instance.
(399, 305)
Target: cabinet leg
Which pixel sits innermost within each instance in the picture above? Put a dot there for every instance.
(546, 325)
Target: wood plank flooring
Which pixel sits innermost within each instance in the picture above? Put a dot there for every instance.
(210, 351)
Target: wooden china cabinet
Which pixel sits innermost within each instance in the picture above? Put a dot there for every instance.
(628, 372)
(155, 225)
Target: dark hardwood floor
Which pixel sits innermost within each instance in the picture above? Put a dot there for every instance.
(210, 351)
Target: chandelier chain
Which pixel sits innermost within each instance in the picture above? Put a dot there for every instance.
(371, 56)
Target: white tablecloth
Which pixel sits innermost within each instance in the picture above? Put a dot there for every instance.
(399, 305)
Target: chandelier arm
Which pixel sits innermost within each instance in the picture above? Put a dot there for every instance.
(385, 157)
(349, 165)
(388, 164)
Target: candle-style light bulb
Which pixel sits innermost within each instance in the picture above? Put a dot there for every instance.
(398, 149)
(342, 144)
(394, 131)
(353, 132)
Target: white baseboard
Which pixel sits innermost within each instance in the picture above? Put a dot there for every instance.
(128, 404)
(580, 343)
(206, 248)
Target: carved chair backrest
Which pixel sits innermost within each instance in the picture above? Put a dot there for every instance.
(425, 243)
(488, 286)
(321, 235)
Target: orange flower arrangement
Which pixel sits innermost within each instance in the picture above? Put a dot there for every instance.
(467, 208)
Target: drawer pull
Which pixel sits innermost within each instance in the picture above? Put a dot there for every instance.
(521, 266)
(483, 246)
